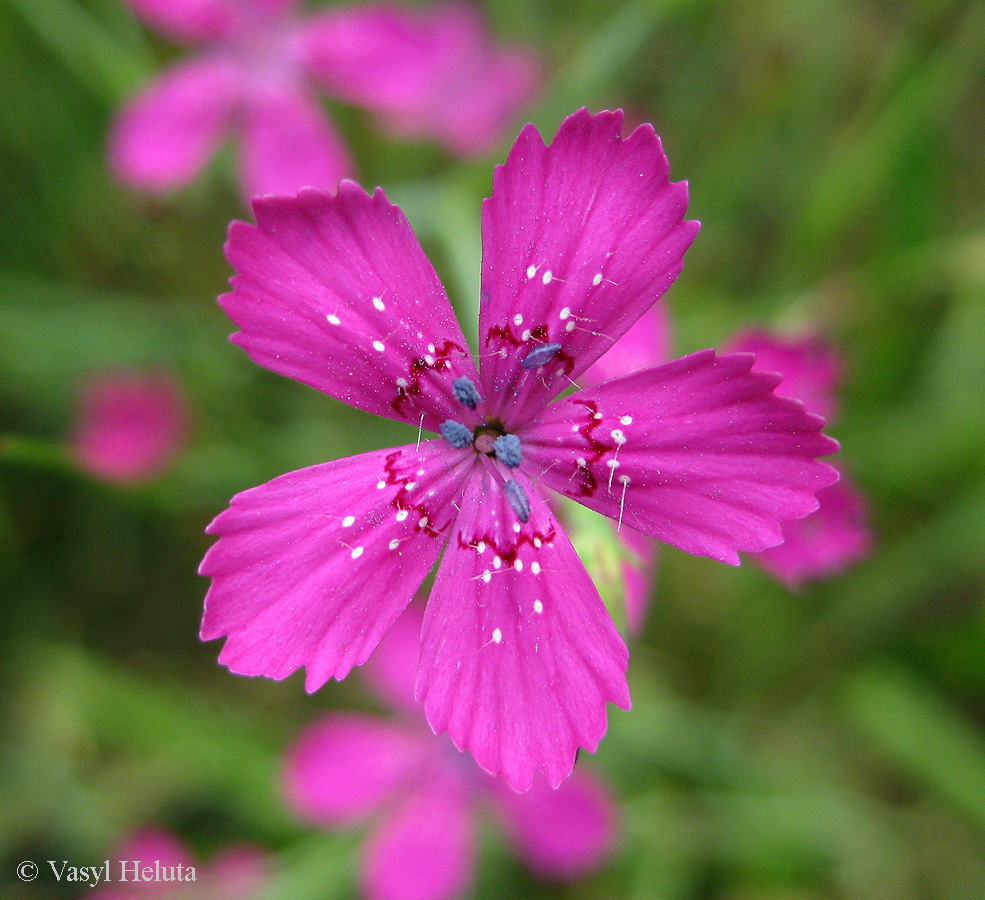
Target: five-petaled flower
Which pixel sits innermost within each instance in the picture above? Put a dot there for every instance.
(425, 797)
(432, 73)
(518, 654)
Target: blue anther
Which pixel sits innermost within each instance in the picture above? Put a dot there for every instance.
(540, 356)
(518, 500)
(508, 450)
(466, 392)
(456, 434)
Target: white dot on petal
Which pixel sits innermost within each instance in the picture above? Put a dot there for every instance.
(597, 415)
(430, 348)
(597, 280)
(401, 515)
(380, 484)
(538, 606)
(582, 462)
(518, 565)
(626, 420)
(422, 521)
(564, 313)
(378, 303)
(394, 544)
(487, 576)
(613, 463)
(547, 277)
(357, 552)
(537, 542)
(535, 568)
(531, 271)
(526, 335)
(497, 562)
(617, 436)
(624, 479)
(516, 527)
(497, 636)
(401, 382)
(379, 346)
(570, 326)
(480, 548)
(348, 521)
(575, 428)
(518, 319)
(333, 319)
(429, 360)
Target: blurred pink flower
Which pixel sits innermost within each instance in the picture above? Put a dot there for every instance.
(348, 766)
(424, 73)
(837, 534)
(129, 425)
(235, 874)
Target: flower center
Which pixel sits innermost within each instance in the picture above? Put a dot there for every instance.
(490, 438)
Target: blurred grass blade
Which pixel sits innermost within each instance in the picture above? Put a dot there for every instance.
(930, 740)
(603, 58)
(105, 65)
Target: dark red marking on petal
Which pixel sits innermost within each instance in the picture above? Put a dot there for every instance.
(509, 554)
(401, 499)
(588, 483)
(503, 334)
(417, 368)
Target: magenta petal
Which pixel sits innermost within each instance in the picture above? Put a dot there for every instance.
(518, 653)
(423, 850)
(698, 452)
(288, 144)
(392, 670)
(563, 833)
(645, 345)
(638, 577)
(312, 568)
(579, 239)
(190, 21)
(345, 765)
(155, 844)
(336, 292)
(162, 139)
(825, 542)
(239, 871)
(431, 72)
(810, 368)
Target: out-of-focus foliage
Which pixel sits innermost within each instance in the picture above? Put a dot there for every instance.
(825, 745)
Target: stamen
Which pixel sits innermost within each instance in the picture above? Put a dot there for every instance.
(508, 450)
(518, 500)
(456, 434)
(466, 392)
(540, 356)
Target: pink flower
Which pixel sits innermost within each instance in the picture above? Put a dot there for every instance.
(348, 766)
(518, 654)
(235, 874)
(826, 542)
(130, 426)
(431, 73)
